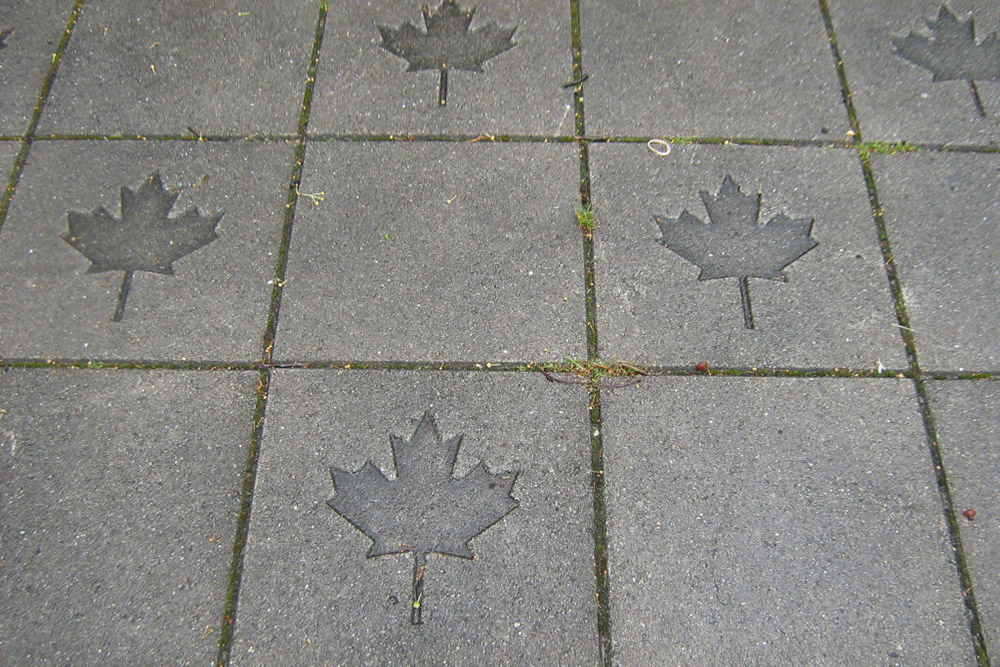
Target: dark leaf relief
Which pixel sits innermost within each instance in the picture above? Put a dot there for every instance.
(951, 52)
(734, 244)
(145, 239)
(425, 509)
(448, 43)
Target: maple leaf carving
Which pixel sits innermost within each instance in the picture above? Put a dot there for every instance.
(425, 509)
(145, 239)
(733, 243)
(951, 53)
(448, 43)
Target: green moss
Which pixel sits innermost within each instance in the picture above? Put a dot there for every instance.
(867, 148)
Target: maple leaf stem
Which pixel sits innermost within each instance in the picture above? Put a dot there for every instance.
(443, 87)
(977, 99)
(122, 297)
(416, 606)
(745, 298)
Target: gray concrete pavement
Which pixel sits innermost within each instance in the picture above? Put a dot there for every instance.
(299, 366)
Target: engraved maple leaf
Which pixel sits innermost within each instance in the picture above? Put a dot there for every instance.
(951, 53)
(733, 244)
(145, 239)
(425, 509)
(448, 43)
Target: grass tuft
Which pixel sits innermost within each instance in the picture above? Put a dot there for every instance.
(585, 218)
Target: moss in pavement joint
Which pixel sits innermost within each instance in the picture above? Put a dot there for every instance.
(867, 148)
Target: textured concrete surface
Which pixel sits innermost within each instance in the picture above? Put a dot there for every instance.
(709, 69)
(8, 154)
(968, 427)
(786, 521)
(723, 495)
(897, 100)
(163, 68)
(531, 582)
(436, 251)
(942, 213)
(34, 28)
(119, 505)
(363, 88)
(834, 310)
(212, 308)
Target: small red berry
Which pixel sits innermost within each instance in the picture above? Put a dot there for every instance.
(702, 367)
(969, 514)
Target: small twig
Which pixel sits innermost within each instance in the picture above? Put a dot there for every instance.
(977, 99)
(315, 197)
(552, 377)
(588, 378)
(576, 82)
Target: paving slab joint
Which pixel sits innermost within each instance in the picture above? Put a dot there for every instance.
(854, 134)
(294, 181)
(865, 151)
(602, 593)
(954, 531)
(903, 322)
(228, 619)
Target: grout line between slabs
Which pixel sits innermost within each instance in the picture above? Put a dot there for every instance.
(601, 577)
(199, 138)
(902, 146)
(465, 366)
(228, 621)
(977, 636)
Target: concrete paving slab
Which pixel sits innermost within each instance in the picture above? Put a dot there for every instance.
(834, 310)
(161, 68)
(967, 416)
(311, 597)
(213, 307)
(898, 100)
(8, 154)
(30, 31)
(436, 251)
(942, 211)
(777, 521)
(710, 69)
(119, 492)
(361, 87)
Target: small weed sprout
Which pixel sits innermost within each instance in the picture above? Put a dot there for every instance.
(585, 218)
